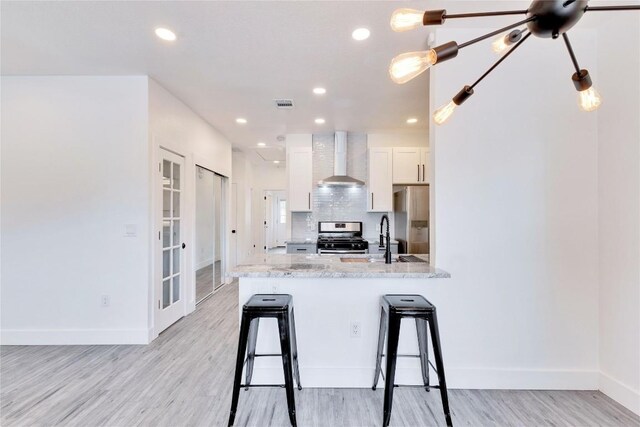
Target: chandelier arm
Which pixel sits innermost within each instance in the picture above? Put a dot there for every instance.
(610, 8)
(570, 49)
(484, 14)
(496, 32)
(500, 60)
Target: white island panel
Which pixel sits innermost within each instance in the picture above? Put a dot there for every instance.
(325, 310)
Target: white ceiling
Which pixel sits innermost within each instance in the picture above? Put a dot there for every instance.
(233, 58)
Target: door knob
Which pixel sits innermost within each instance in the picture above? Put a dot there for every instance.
(184, 246)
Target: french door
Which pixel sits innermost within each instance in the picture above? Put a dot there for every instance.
(170, 277)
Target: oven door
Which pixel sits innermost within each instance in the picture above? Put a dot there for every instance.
(342, 251)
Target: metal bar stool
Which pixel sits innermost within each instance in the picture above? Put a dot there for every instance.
(393, 309)
(279, 306)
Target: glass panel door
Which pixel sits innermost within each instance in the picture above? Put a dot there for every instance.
(170, 304)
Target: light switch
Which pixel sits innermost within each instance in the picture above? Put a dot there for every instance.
(130, 230)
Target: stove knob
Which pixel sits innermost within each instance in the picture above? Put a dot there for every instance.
(333, 245)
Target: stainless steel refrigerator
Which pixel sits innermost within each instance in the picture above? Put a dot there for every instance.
(411, 217)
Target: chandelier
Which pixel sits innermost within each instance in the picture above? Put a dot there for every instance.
(544, 18)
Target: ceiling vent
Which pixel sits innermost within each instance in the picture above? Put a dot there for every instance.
(284, 104)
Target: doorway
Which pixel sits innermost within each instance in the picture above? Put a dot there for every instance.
(170, 260)
(209, 232)
(275, 221)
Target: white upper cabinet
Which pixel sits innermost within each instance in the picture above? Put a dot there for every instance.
(410, 165)
(380, 182)
(425, 162)
(300, 165)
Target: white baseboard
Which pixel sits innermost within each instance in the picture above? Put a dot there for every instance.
(620, 392)
(73, 336)
(457, 378)
(203, 264)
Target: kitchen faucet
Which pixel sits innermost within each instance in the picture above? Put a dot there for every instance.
(387, 251)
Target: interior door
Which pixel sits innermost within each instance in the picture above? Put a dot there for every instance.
(170, 247)
(268, 222)
(233, 250)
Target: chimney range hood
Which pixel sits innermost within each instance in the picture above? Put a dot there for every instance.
(340, 177)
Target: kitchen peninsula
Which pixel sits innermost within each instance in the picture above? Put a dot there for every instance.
(336, 300)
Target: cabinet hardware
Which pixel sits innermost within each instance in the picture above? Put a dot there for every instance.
(418, 173)
(371, 201)
(309, 201)
(424, 178)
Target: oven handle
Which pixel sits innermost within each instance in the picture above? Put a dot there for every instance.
(337, 251)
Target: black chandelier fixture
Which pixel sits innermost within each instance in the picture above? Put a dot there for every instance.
(544, 18)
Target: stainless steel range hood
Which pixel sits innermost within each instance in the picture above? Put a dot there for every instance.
(340, 177)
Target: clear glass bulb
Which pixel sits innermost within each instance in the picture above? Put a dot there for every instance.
(499, 45)
(443, 113)
(589, 100)
(406, 19)
(411, 64)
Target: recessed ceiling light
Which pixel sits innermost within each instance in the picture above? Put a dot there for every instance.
(360, 34)
(412, 120)
(241, 121)
(261, 144)
(319, 90)
(319, 121)
(276, 161)
(165, 34)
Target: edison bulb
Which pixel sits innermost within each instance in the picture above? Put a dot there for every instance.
(443, 113)
(406, 19)
(411, 64)
(589, 99)
(499, 45)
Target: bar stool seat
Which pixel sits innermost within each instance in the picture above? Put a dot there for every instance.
(393, 309)
(279, 306)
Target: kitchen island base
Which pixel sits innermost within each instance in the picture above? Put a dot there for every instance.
(337, 322)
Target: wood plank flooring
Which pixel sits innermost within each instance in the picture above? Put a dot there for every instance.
(184, 379)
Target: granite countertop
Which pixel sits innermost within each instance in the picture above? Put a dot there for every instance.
(376, 240)
(330, 266)
(301, 241)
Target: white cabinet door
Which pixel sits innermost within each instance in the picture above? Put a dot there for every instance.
(380, 197)
(425, 171)
(407, 166)
(300, 163)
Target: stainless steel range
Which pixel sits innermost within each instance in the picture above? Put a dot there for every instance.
(341, 238)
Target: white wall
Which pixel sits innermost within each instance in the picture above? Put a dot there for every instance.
(174, 126)
(515, 174)
(75, 171)
(619, 207)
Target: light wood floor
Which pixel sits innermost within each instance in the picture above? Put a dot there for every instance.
(184, 378)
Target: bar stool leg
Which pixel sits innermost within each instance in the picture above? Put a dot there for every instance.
(423, 345)
(381, 335)
(242, 347)
(285, 346)
(294, 345)
(392, 354)
(437, 353)
(251, 352)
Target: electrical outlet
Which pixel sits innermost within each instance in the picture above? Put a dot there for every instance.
(356, 330)
(104, 301)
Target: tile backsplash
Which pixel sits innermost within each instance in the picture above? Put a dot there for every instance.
(337, 203)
